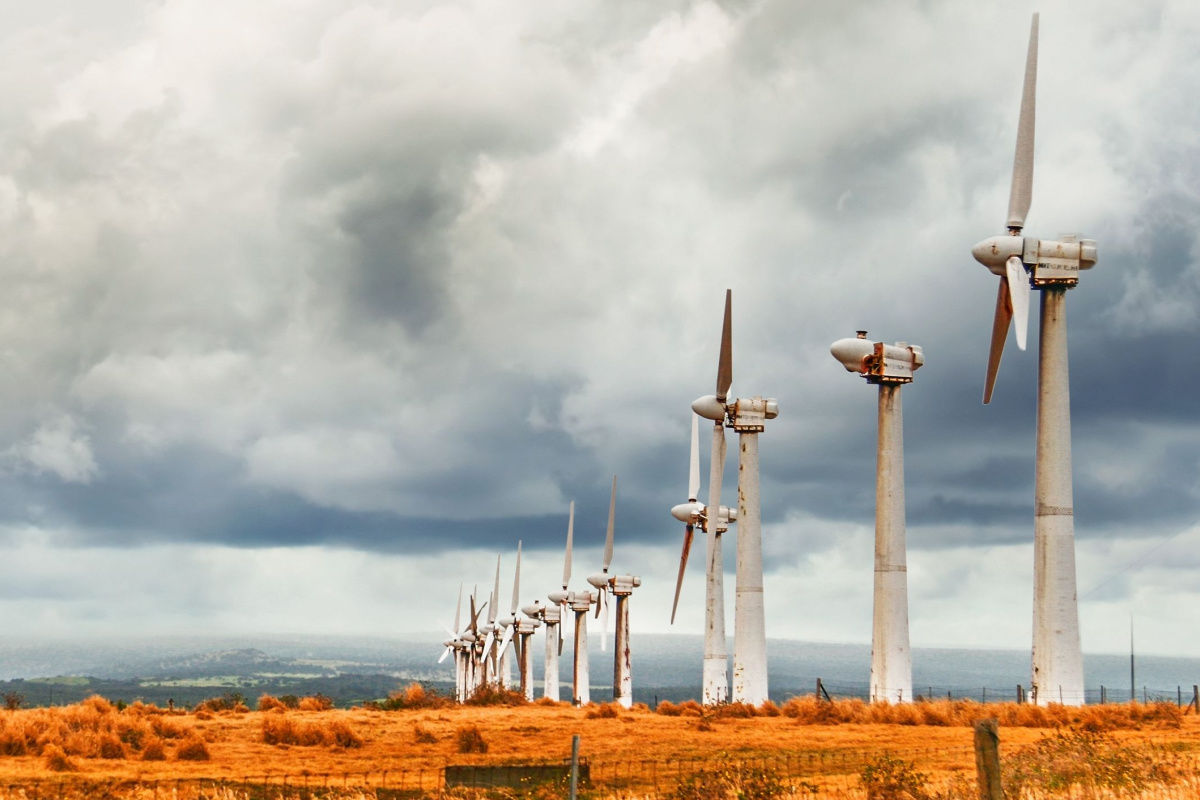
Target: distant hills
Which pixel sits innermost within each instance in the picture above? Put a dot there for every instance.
(353, 669)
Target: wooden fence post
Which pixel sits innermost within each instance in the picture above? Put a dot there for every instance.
(574, 765)
(1196, 697)
(987, 759)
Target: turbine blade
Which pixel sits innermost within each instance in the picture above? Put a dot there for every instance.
(488, 642)
(570, 536)
(517, 648)
(447, 630)
(559, 626)
(999, 334)
(1018, 296)
(516, 583)
(457, 610)
(504, 642)
(687, 548)
(694, 465)
(1021, 194)
(604, 622)
(495, 598)
(725, 363)
(612, 511)
(445, 653)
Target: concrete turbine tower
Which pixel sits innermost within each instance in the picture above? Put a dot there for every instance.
(523, 630)
(622, 587)
(551, 616)
(890, 367)
(1053, 267)
(748, 418)
(507, 624)
(692, 513)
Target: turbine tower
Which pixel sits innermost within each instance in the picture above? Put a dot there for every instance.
(580, 603)
(890, 367)
(622, 587)
(1053, 267)
(748, 418)
(523, 630)
(692, 513)
(551, 617)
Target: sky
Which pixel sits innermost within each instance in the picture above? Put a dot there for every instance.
(312, 309)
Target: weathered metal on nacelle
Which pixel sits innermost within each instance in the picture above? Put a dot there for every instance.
(624, 584)
(878, 362)
(580, 601)
(1049, 262)
(697, 514)
(748, 416)
(526, 626)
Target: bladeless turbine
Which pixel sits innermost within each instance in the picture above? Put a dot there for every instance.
(716, 677)
(622, 587)
(580, 603)
(889, 366)
(1025, 263)
(748, 418)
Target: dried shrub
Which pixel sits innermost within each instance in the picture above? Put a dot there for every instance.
(603, 711)
(154, 750)
(57, 760)
(13, 700)
(769, 709)
(668, 709)
(734, 711)
(271, 703)
(546, 701)
(422, 735)
(690, 708)
(98, 704)
(110, 746)
(167, 729)
(416, 695)
(192, 748)
(280, 730)
(732, 782)
(1091, 761)
(488, 695)
(316, 702)
(470, 740)
(888, 778)
(339, 734)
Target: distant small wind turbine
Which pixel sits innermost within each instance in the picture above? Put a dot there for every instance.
(889, 367)
(1053, 267)
(621, 587)
(748, 417)
(522, 630)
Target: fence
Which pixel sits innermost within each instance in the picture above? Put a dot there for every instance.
(1181, 695)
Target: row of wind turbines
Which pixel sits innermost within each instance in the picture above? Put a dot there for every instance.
(1022, 264)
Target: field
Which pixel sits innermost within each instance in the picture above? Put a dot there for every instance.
(408, 747)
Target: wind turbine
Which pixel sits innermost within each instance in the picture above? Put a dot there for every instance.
(472, 650)
(716, 677)
(488, 656)
(508, 624)
(580, 603)
(748, 418)
(456, 645)
(1053, 267)
(551, 616)
(521, 631)
(890, 367)
(622, 587)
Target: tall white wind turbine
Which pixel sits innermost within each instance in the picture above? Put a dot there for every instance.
(507, 625)
(889, 367)
(580, 602)
(716, 677)
(748, 418)
(523, 630)
(458, 647)
(621, 587)
(551, 616)
(1053, 267)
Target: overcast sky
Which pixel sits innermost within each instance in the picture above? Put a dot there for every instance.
(311, 309)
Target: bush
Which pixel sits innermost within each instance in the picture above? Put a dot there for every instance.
(192, 749)
(1080, 758)
(154, 750)
(888, 778)
(734, 711)
(316, 702)
(470, 740)
(57, 760)
(604, 711)
(732, 782)
(110, 747)
(13, 700)
(281, 730)
(488, 695)
(271, 703)
(415, 695)
(339, 734)
(422, 735)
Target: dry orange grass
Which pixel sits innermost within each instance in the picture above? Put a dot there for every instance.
(333, 742)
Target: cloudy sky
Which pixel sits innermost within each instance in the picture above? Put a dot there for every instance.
(312, 308)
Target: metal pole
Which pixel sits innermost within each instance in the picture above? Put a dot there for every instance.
(574, 766)
(716, 662)
(891, 659)
(1057, 655)
(749, 626)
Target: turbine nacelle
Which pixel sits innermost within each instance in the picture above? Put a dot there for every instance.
(1047, 262)
(560, 597)
(600, 580)
(505, 621)
(533, 610)
(744, 416)
(526, 626)
(624, 584)
(580, 601)
(878, 362)
(696, 514)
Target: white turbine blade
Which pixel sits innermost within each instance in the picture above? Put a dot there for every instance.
(517, 647)
(559, 626)
(447, 630)
(1021, 194)
(516, 583)
(687, 548)
(715, 476)
(445, 653)
(488, 642)
(604, 622)
(612, 511)
(457, 610)
(495, 597)
(1018, 294)
(694, 465)
(570, 536)
(725, 360)
(999, 335)
(508, 636)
